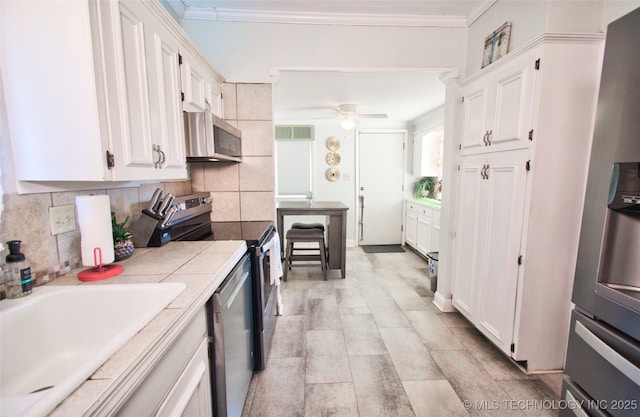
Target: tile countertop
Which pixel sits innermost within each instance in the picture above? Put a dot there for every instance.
(202, 266)
(428, 201)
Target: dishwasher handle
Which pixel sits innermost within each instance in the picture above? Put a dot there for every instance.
(229, 288)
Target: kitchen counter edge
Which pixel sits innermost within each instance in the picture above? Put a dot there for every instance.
(102, 396)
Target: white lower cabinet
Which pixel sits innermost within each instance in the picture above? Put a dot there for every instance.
(490, 215)
(422, 226)
(191, 395)
(411, 224)
(179, 384)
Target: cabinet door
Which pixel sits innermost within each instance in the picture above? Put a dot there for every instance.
(512, 115)
(194, 81)
(424, 230)
(411, 225)
(168, 123)
(471, 211)
(133, 149)
(214, 97)
(435, 235)
(474, 118)
(504, 192)
(191, 395)
(497, 112)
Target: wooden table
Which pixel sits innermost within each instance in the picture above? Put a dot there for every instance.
(336, 225)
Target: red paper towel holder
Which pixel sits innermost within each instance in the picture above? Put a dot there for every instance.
(99, 271)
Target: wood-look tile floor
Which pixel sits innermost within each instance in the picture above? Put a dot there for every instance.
(375, 345)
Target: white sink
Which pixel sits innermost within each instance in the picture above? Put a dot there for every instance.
(54, 339)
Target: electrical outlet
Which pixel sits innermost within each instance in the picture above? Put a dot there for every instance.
(62, 219)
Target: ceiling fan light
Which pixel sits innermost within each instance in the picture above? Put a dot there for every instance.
(347, 123)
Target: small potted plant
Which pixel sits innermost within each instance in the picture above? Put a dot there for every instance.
(425, 187)
(122, 243)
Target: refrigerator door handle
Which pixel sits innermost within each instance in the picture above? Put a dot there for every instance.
(571, 400)
(614, 358)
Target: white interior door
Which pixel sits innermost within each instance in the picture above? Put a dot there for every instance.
(380, 178)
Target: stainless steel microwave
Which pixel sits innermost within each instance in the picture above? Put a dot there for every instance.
(211, 139)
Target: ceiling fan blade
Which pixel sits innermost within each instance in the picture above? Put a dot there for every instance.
(372, 116)
(325, 117)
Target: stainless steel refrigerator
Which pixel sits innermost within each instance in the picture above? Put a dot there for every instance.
(603, 355)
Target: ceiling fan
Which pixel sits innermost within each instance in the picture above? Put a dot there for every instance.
(349, 115)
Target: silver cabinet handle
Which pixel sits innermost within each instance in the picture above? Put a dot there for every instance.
(485, 138)
(361, 223)
(161, 157)
(483, 172)
(625, 367)
(156, 149)
(489, 134)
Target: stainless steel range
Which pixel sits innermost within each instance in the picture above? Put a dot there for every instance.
(192, 222)
(603, 356)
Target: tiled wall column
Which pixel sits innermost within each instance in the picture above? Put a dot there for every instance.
(243, 193)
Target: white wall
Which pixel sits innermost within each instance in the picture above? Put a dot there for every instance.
(530, 18)
(247, 52)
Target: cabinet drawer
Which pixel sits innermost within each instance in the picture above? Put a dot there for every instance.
(435, 213)
(424, 211)
(412, 207)
(613, 373)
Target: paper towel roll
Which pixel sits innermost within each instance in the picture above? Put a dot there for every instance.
(94, 219)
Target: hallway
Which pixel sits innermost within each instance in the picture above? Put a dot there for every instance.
(375, 345)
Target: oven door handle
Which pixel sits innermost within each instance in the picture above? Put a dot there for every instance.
(618, 361)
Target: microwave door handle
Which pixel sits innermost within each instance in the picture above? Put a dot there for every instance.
(618, 361)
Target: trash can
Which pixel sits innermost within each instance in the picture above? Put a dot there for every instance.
(433, 270)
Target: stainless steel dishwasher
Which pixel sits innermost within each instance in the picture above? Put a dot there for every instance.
(230, 317)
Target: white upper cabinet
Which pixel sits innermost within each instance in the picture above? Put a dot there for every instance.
(56, 114)
(497, 108)
(194, 83)
(97, 95)
(201, 91)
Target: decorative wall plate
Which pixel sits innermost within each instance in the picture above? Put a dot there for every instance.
(333, 174)
(333, 158)
(333, 143)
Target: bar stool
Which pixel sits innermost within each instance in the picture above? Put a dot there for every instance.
(308, 226)
(307, 235)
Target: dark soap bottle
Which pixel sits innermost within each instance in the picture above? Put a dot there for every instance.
(19, 281)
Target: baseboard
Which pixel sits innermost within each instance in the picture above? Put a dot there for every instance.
(444, 304)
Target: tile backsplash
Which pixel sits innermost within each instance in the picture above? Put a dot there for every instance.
(26, 218)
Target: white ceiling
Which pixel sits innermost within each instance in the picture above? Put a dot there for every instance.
(305, 95)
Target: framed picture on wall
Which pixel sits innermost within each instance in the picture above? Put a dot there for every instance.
(496, 44)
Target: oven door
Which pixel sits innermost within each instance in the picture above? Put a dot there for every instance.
(265, 299)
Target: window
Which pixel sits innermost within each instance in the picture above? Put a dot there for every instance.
(294, 157)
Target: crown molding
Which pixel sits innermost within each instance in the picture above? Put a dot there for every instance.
(475, 14)
(235, 15)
